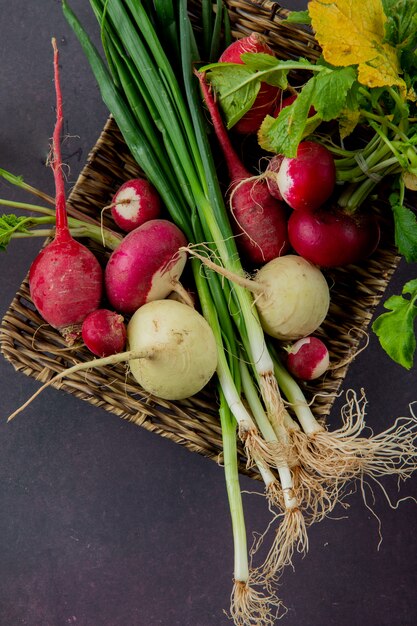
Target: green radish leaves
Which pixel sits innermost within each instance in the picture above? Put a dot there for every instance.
(405, 228)
(395, 328)
(10, 224)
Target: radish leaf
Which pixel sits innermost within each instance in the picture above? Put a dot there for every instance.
(331, 89)
(395, 329)
(405, 227)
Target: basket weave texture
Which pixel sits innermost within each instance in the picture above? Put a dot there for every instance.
(35, 349)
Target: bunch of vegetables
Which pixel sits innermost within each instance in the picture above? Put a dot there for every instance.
(283, 223)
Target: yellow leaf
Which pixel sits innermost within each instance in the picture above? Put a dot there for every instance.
(351, 32)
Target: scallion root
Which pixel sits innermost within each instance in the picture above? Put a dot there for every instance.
(252, 607)
(290, 537)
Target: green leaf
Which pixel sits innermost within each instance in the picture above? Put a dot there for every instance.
(332, 87)
(283, 134)
(267, 64)
(395, 329)
(299, 17)
(401, 25)
(405, 228)
(236, 90)
(10, 224)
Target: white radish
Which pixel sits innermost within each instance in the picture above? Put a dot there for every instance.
(293, 298)
(181, 345)
(172, 355)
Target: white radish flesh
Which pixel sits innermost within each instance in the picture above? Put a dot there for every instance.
(181, 346)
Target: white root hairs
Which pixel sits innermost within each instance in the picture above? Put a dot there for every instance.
(252, 607)
(290, 537)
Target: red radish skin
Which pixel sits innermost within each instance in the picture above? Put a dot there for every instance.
(146, 265)
(260, 220)
(65, 279)
(267, 95)
(104, 332)
(308, 358)
(308, 180)
(333, 238)
(135, 203)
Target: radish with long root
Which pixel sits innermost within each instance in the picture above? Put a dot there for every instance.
(260, 219)
(172, 352)
(65, 279)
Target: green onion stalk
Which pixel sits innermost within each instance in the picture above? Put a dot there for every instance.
(162, 122)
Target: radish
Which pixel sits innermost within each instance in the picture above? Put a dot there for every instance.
(145, 266)
(104, 332)
(292, 294)
(293, 297)
(135, 203)
(65, 279)
(173, 352)
(271, 172)
(308, 358)
(181, 347)
(250, 122)
(307, 180)
(333, 238)
(260, 221)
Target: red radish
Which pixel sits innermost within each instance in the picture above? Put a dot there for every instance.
(267, 95)
(260, 220)
(104, 332)
(332, 238)
(145, 266)
(308, 358)
(65, 279)
(307, 180)
(135, 203)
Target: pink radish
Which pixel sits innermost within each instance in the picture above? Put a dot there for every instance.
(307, 180)
(104, 332)
(267, 95)
(65, 279)
(332, 238)
(308, 358)
(135, 203)
(146, 266)
(260, 221)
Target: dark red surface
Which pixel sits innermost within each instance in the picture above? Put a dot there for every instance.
(105, 524)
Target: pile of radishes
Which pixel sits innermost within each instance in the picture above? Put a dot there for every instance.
(285, 229)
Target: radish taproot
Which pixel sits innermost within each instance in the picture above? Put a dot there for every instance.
(134, 203)
(145, 266)
(172, 352)
(307, 180)
(65, 279)
(260, 220)
(104, 332)
(333, 237)
(250, 122)
(308, 358)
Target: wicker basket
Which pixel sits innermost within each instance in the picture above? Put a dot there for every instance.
(36, 350)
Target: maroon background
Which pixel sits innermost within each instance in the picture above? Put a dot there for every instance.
(105, 524)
